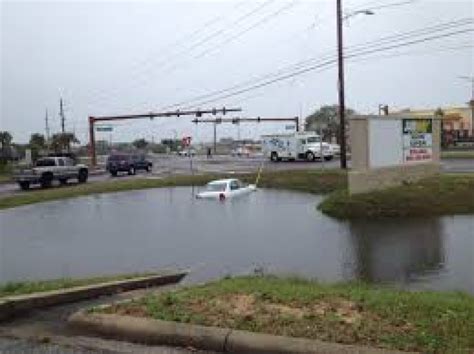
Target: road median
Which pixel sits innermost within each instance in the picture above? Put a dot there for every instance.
(11, 306)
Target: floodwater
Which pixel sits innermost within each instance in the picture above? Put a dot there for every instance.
(274, 231)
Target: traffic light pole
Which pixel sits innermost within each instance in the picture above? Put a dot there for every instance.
(150, 115)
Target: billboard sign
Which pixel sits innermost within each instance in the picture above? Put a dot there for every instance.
(417, 140)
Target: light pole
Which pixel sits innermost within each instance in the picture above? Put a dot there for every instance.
(471, 101)
(340, 81)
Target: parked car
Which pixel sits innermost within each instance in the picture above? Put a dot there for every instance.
(222, 189)
(48, 169)
(240, 151)
(127, 163)
(187, 152)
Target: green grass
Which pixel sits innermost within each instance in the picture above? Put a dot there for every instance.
(441, 195)
(460, 154)
(29, 287)
(351, 313)
(5, 172)
(310, 181)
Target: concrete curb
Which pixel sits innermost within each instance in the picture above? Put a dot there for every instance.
(157, 332)
(13, 305)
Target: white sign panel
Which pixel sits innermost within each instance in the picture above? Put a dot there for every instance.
(417, 140)
(385, 142)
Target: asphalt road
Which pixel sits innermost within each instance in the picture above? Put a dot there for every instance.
(228, 165)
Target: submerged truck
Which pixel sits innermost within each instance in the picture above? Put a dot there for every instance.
(296, 146)
(48, 169)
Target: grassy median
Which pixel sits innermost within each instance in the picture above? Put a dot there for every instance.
(441, 195)
(29, 287)
(457, 154)
(345, 313)
(303, 180)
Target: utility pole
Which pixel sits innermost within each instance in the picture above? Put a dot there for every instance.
(471, 101)
(61, 115)
(342, 105)
(46, 121)
(215, 137)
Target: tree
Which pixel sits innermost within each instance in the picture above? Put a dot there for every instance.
(37, 141)
(140, 143)
(6, 141)
(62, 141)
(327, 119)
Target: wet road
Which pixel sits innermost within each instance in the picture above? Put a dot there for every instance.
(165, 166)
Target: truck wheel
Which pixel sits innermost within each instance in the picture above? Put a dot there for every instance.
(132, 171)
(82, 176)
(310, 156)
(148, 168)
(328, 158)
(274, 156)
(25, 185)
(113, 173)
(46, 180)
(63, 181)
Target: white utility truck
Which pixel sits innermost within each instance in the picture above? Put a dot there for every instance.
(296, 146)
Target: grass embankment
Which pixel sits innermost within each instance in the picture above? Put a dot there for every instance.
(344, 313)
(457, 154)
(5, 173)
(309, 181)
(441, 195)
(29, 287)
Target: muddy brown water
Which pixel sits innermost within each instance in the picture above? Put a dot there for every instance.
(270, 231)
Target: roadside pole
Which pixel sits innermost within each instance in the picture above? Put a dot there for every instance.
(321, 144)
(340, 84)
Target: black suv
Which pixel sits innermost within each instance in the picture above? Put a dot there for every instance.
(127, 163)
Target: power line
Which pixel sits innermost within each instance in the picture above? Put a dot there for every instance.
(366, 45)
(255, 25)
(328, 64)
(167, 59)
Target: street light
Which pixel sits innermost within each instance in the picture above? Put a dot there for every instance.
(471, 101)
(358, 12)
(340, 81)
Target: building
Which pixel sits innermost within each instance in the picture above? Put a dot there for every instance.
(456, 124)
(458, 119)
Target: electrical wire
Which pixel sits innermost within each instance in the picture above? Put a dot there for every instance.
(366, 45)
(327, 64)
(162, 64)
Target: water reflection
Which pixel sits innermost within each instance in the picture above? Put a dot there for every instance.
(396, 250)
(279, 231)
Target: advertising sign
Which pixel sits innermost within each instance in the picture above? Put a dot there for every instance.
(186, 141)
(417, 140)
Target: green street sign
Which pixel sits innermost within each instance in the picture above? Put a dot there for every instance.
(104, 128)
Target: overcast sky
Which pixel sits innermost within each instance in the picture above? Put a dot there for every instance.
(123, 57)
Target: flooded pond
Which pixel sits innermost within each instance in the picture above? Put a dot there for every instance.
(277, 231)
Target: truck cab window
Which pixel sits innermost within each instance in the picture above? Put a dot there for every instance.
(45, 162)
(60, 162)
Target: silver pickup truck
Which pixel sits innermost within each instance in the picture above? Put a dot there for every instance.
(48, 169)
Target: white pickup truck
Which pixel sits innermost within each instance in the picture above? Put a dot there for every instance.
(48, 169)
(296, 146)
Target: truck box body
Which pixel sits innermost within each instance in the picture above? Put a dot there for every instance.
(295, 146)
